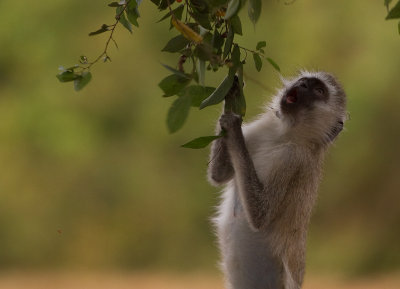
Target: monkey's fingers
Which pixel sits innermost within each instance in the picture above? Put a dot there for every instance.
(232, 97)
(230, 122)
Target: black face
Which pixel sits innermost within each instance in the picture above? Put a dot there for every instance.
(304, 93)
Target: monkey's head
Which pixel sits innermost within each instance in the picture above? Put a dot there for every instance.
(313, 105)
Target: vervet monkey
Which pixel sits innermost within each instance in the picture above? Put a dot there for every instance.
(272, 169)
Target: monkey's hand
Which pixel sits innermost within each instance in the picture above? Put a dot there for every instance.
(220, 166)
(231, 123)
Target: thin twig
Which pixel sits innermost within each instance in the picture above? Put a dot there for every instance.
(169, 7)
(249, 50)
(110, 37)
(187, 11)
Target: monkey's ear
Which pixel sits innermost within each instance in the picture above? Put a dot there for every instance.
(336, 130)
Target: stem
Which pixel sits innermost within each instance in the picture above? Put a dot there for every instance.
(187, 10)
(104, 53)
(169, 7)
(249, 50)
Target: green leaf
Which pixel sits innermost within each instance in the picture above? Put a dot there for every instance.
(273, 63)
(104, 28)
(157, 2)
(114, 4)
(177, 72)
(394, 12)
(219, 93)
(387, 2)
(132, 13)
(173, 84)
(67, 76)
(235, 56)
(164, 4)
(254, 10)
(176, 44)
(177, 12)
(201, 142)
(236, 24)
(231, 97)
(233, 8)
(133, 4)
(398, 26)
(178, 112)
(217, 42)
(232, 72)
(261, 44)
(202, 19)
(72, 68)
(257, 61)
(228, 42)
(197, 92)
(200, 6)
(201, 71)
(123, 20)
(82, 80)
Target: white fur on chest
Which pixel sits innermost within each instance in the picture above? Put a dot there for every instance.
(262, 141)
(265, 145)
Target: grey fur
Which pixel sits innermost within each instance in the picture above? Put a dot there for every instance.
(272, 169)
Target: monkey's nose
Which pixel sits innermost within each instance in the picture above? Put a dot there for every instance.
(303, 83)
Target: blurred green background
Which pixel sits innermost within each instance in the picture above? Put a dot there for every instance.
(92, 180)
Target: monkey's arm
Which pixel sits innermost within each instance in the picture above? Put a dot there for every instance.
(261, 201)
(220, 168)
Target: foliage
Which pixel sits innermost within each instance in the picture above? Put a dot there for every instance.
(206, 41)
(207, 29)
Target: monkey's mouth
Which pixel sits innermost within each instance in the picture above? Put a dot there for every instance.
(290, 102)
(291, 96)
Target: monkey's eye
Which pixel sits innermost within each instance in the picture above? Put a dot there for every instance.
(319, 90)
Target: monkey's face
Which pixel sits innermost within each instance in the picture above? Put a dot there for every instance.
(313, 104)
(303, 95)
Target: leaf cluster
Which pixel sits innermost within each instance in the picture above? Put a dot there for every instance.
(206, 42)
(80, 79)
(126, 13)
